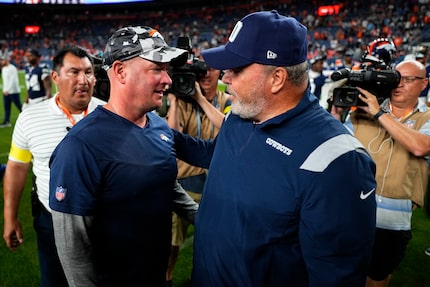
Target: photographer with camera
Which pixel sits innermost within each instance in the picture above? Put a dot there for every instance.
(199, 115)
(396, 133)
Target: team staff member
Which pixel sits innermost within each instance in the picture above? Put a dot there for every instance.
(283, 172)
(11, 89)
(189, 117)
(112, 201)
(397, 134)
(37, 132)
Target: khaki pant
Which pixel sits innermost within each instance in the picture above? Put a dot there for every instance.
(180, 225)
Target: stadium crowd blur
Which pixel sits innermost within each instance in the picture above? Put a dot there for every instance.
(357, 23)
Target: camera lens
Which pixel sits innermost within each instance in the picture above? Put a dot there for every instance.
(184, 84)
(350, 97)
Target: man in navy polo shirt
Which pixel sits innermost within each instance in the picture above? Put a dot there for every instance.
(113, 176)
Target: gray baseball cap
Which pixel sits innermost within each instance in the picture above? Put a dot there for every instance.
(145, 42)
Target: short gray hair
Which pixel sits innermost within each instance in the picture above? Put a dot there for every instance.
(298, 73)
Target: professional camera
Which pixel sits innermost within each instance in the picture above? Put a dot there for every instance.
(185, 75)
(375, 75)
(378, 82)
(102, 87)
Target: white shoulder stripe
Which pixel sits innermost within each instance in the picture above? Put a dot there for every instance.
(330, 150)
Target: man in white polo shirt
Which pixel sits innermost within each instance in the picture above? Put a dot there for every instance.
(38, 130)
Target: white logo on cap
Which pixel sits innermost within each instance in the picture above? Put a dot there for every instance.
(271, 55)
(235, 31)
(135, 38)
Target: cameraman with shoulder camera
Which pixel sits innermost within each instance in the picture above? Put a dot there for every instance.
(397, 135)
(199, 115)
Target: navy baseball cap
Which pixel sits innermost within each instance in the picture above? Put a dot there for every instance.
(349, 53)
(143, 41)
(267, 38)
(34, 52)
(317, 58)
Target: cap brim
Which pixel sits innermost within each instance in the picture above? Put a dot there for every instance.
(221, 58)
(34, 52)
(163, 54)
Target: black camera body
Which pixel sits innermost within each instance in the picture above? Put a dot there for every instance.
(185, 75)
(102, 87)
(375, 77)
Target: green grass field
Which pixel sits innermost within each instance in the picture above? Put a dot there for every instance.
(20, 269)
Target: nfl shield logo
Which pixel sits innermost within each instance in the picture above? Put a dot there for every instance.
(60, 193)
(409, 123)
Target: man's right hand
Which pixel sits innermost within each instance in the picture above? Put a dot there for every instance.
(12, 234)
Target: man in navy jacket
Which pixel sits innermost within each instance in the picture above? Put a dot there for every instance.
(289, 198)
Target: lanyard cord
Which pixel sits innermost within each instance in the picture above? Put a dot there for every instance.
(410, 112)
(67, 112)
(199, 122)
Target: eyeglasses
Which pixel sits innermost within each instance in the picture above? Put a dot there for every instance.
(410, 79)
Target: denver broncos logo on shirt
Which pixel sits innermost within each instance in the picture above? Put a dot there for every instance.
(164, 138)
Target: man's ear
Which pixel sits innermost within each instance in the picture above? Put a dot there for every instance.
(118, 71)
(278, 78)
(54, 76)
